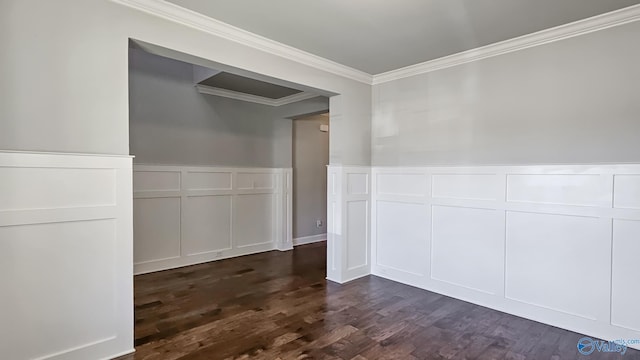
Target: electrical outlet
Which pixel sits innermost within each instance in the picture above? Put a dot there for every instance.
(318, 223)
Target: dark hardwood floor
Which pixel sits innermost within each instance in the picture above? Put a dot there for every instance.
(278, 305)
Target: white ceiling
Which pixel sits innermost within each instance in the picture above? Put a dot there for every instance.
(375, 36)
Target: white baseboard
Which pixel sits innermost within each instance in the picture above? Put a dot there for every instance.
(309, 239)
(355, 275)
(124, 353)
(189, 260)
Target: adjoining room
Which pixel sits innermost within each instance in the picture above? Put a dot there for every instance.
(213, 164)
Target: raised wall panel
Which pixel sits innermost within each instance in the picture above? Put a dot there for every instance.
(256, 181)
(157, 229)
(156, 181)
(206, 224)
(357, 184)
(201, 180)
(467, 247)
(559, 262)
(401, 236)
(59, 289)
(464, 186)
(357, 233)
(401, 184)
(625, 296)
(50, 188)
(627, 192)
(253, 220)
(574, 189)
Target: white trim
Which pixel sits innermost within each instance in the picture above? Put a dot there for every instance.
(210, 90)
(190, 18)
(309, 239)
(576, 28)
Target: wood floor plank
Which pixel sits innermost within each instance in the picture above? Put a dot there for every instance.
(278, 305)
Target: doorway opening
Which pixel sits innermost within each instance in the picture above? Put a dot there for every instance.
(214, 179)
(310, 161)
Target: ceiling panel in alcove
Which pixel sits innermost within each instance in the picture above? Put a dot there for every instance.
(250, 86)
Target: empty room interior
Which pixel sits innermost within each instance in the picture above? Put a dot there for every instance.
(191, 179)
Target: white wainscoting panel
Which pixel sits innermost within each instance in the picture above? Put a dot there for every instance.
(284, 216)
(189, 215)
(96, 240)
(627, 192)
(348, 228)
(65, 256)
(254, 220)
(571, 189)
(625, 295)
(474, 238)
(207, 224)
(402, 237)
(465, 186)
(358, 184)
(256, 180)
(334, 223)
(208, 180)
(401, 184)
(357, 233)
(549, 258)
(161, 180)
(553, 243)
(156, 230)
(74, 187)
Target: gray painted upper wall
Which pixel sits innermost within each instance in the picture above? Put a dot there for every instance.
(571, 101)
(172, 123)
(64, 71)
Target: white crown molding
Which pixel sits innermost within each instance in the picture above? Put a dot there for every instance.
(175, 13)
(577, 28)
(210, 90)
(178, 14)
